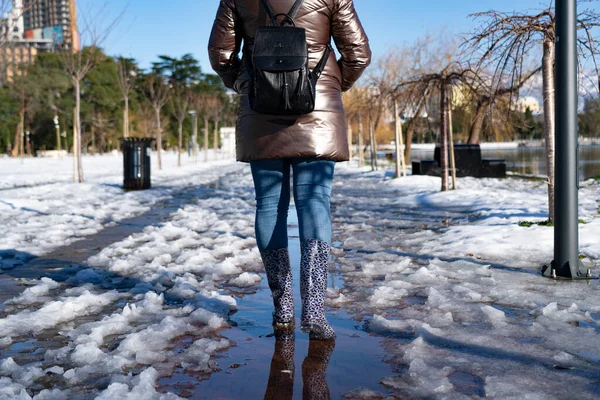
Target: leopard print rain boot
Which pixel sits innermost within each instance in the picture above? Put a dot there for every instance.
(313, 288)
(279, 276)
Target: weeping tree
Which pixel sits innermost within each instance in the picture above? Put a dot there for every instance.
(505, 42)
(442, 83)
(485, 96)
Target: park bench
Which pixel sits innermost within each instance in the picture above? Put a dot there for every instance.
(469, 162)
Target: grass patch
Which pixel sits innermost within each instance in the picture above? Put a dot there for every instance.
(527, 224)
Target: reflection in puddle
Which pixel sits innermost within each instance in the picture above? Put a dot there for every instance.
(264, 366)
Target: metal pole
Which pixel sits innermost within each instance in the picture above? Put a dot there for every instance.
(444, 134)
(361, 154)
(566, 235)
(451, 138)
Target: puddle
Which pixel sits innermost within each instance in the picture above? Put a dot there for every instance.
(262, 368)
(467, 384)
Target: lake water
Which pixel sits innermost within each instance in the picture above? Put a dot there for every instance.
(531, 160)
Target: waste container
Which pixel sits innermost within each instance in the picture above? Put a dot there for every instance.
(136, 163)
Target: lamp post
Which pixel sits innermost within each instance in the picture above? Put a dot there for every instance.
(57, 126)
(566, 262)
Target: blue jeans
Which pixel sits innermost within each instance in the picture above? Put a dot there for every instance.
(312, 181)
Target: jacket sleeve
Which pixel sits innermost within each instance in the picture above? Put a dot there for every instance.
(224, 43)
(351, 41)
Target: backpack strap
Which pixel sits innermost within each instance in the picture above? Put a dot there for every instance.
(295, 8)
(322, 62)
(289, 16)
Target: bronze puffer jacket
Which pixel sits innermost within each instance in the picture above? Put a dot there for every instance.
(321, 134)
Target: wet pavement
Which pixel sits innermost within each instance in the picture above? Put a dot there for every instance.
(259, 367)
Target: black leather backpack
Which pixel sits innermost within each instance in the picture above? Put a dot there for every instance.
(280, 80)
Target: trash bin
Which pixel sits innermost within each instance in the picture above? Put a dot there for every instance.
(136, 163)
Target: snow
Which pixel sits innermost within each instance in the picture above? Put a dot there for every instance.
(486, 311)
(41, 209)
(448, 281)
(165, 279)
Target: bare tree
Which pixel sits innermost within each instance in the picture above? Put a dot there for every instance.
(352, 107)
(207, 104)
(180, 101)
(77, 64)
(126, 77)
(217, 109)
(157, 92)
(504, 43)
(387, 77)
(374, 106)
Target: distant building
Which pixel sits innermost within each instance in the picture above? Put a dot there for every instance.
(54, 20)
(45, 25)
(16, 52)
(12, 26)
(528, 102)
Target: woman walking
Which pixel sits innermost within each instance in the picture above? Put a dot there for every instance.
(308, 144)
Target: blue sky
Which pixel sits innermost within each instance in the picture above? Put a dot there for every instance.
(175, 27)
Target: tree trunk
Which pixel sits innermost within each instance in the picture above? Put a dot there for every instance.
(17, 143)
(444, 135)
(126, 118)
(78, 130)
(477, 127)
(180, 143)
(373, 144)
(216, 137)
(195, 136)
(158, 137)
(22, 133)
(206, 121)
(75, 145)
(349, 137)
(361, 150)
(410, 132)
(400, 164)
(451, 140)
(549, 122)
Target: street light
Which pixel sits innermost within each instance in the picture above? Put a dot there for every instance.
(57, 126)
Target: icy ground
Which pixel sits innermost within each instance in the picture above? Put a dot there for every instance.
(448, 281)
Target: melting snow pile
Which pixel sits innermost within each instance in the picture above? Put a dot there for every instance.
(140, 308)
(451, 280)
